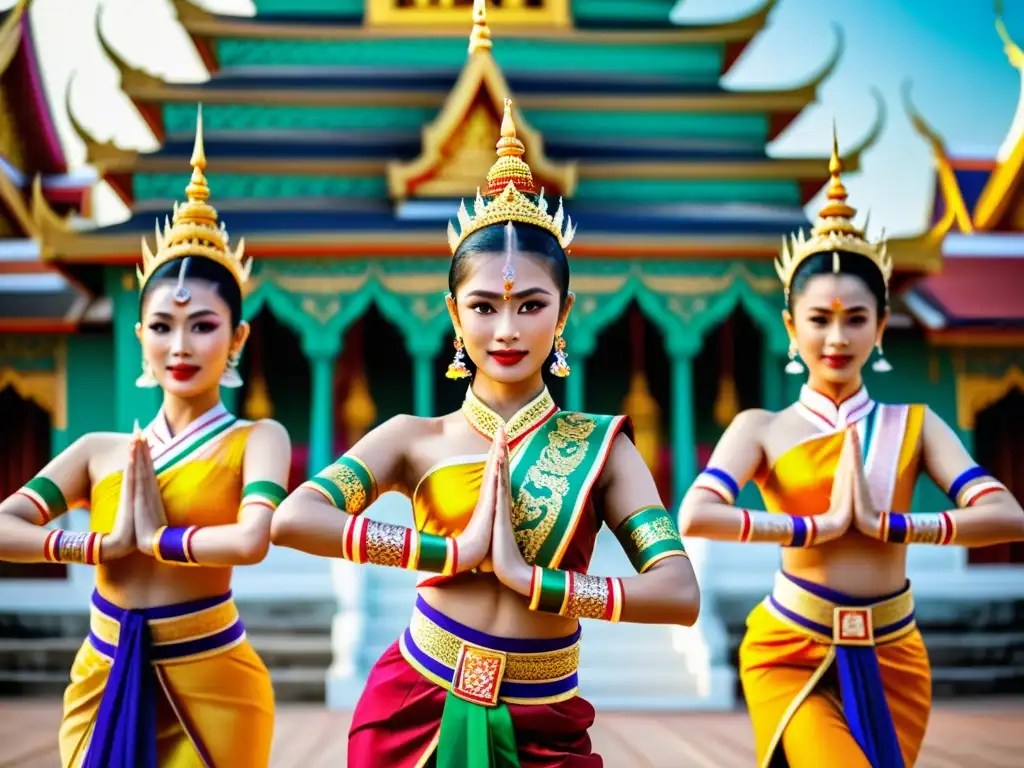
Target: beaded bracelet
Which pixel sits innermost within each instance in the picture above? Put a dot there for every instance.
(576, 595)
(932, 528)
(73, 547)
(46, 496)
(174, 545)
(788, 530)
(370, 541)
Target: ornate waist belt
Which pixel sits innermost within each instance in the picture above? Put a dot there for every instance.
(176, 632)
(484, 669)
(831, 617)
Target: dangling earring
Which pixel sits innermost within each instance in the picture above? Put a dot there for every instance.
(793, 366)
(146, 379)
(457, 369)
(881, 365)
(560, 366)
(230, 377)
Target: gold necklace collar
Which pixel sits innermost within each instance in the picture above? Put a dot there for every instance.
(525, 420)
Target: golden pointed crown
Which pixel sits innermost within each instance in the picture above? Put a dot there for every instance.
(512, 195)
(194, 230)
(833, 231)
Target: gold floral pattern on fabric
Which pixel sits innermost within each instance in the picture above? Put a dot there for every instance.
(486, 421)
(444, 647)
(350, 486)
(534, 515)
(653, 532)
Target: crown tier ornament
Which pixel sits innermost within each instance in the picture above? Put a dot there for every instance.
(194, 229)
(511, 192)
(833, 232)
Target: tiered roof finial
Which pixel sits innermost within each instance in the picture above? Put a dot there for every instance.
(194, 229)
(833, 231)
(512, 194)
(480, 37)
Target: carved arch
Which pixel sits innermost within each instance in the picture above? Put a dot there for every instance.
(975, 392)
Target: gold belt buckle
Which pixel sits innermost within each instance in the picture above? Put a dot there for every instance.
(852, 626)
(478, 675)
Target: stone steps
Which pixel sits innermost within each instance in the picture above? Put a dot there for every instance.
(39, 666)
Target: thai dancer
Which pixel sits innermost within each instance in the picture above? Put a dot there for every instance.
(166, 676)
(508, 494)
(833, 667)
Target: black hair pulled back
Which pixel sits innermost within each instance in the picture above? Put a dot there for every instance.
(530, 240)
(854, 264)
(200, 268)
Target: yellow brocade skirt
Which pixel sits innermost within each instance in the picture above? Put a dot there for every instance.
(214, 703)
(787, 664)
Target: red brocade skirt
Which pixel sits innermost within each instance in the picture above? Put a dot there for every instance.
(397, 722)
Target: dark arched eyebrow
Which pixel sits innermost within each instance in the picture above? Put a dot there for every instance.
(846, 310)
(518, 295)
(193, 316)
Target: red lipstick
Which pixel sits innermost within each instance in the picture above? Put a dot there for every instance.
(508, 357)
(837, 361)
(182, 371)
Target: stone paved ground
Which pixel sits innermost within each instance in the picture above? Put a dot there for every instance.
(971, 734)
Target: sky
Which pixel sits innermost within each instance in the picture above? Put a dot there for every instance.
(947, 49)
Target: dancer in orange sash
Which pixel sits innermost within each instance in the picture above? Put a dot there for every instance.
(166, 677)
(832, 665)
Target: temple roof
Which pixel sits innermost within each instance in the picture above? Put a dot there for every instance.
(979, 290)
(285, 123)
(34, 297)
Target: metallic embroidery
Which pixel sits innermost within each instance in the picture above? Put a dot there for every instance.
(589, 598)
(351, 487)
(478, 674)
(486, 421)
(534, 516)
(384, 543)
(927, 529)
(653, 532)
(444, 647)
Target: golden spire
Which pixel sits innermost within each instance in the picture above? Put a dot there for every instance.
(833, 231)
(480, 37)
(194, 230)
(1013, 51)
(510, 193)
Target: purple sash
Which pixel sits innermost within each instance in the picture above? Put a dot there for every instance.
(124, 733)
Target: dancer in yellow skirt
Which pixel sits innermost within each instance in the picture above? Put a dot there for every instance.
(166, 676)
(833, 668)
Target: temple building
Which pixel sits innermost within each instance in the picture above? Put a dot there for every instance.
(39, 307)
(341, 136)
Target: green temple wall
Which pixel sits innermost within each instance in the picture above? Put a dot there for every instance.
(749, 128)
(583, 11)
(167, 187)
(696, 63)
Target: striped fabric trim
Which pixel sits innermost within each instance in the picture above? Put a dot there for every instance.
(171, 451)
(264, 493)
(719, 482)
(975, 492)
(46, 495)
(826, 415)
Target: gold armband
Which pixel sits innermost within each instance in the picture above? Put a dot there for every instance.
(648, 536)
(348, 484)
